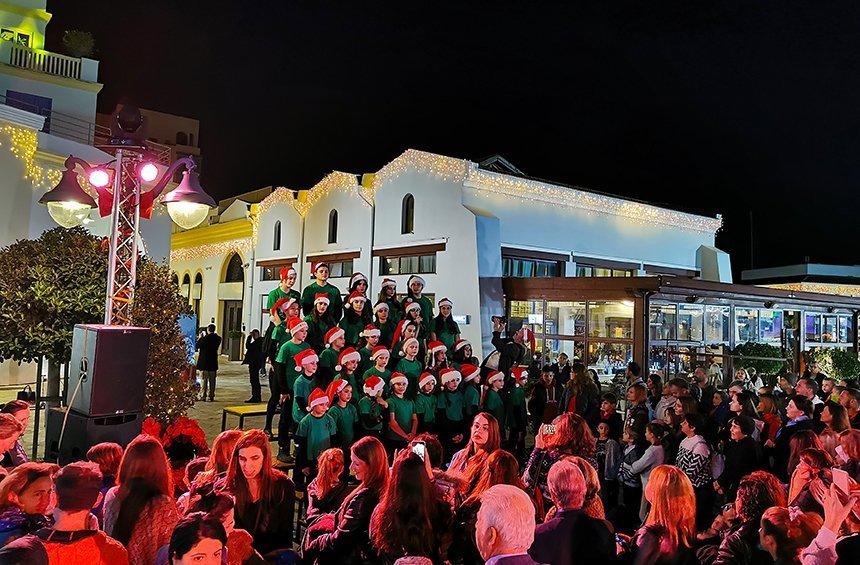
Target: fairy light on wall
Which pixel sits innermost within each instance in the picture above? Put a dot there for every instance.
(332, 181)
(445, 168)
(820, 288)
(206, 250)
(23, 144)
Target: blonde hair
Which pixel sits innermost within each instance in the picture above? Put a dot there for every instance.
(673, 505)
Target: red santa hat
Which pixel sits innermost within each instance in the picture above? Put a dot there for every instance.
(398, 330)
(426, 377)
(335, 387)
(295, 324)
(355, 278)
(379, 350)
(389, 282)
(446, 302)
(283, 304)
(469, 372)
(373, 385)
(435, 346)
(416, 278)
(315, 266)
(348, 354)
(449, 374)
(321, 297)
(317, 398)
(398, 378)
(411, 305)
(286, 271)
(355, 295)
(304, 357)
(520, 373)
(495, 376)
(333, 334)
(460, 344)
(406, 344)
(381, 306)
(370, 330)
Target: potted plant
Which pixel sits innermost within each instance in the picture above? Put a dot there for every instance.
(235, 345)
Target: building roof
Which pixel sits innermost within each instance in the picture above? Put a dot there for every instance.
(804, 272)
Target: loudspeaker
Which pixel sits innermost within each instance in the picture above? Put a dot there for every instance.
(83, 432)
(115, 368)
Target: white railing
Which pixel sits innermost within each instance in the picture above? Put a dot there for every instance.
(45, 62)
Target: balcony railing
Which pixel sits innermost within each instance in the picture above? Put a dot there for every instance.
(42, 61)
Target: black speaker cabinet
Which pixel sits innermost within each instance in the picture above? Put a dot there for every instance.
(115, 368)
(83, 432)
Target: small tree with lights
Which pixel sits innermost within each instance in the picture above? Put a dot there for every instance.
(49, 284)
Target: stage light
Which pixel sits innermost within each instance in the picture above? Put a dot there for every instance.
(99, 178)
(148, 172)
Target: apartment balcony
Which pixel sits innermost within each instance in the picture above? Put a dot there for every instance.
(41, 61)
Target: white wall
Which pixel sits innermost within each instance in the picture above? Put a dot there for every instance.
(439, 214)
(76, 102)
(353, 232)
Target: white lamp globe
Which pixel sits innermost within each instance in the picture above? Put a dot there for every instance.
(187, 215)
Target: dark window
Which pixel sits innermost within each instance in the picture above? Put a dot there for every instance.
(527, 268)
(408, 265)
(198, 278)
(175, 279)
(276, 245)
(181, 138)
(332, 226)
(186, 279)
(407, 214)
(272, 272)
(31, 103)
(235, 271)
(340, 269)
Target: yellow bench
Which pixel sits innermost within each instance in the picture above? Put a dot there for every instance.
(242, 411)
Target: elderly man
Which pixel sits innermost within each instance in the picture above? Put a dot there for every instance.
(505, 527)
(571, 536)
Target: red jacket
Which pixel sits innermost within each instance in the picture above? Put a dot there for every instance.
(50, 547)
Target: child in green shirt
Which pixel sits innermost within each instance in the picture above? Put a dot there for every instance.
(371, 407)
(306, 362)
(347, 363)
(317, 432)
(320, 285)
(402, 421)
(413, 314)
(444, 328)
(463, 354)
(410, 366)
(415, 286)
(388, 295)
(425, 403)
(380, 358)
(386, 323)
(370, 336)
(282, 386)
(334, 343)
(278, 303)
(343, 412)
(492, 399)
(450, 416)
(354, 319)
(471, 390)
(319, 322)
(515, 412)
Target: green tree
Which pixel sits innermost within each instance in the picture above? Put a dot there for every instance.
(49, 284)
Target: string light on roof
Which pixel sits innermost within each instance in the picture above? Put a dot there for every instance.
(23, 144)
(332, 181)
(445, 168)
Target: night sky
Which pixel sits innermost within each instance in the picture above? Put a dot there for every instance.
(712, 107)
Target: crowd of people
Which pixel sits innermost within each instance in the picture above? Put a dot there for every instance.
(397, 446)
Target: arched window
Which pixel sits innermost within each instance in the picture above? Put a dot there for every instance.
(235, 271)
(407, 214)
(276, 246)
(181, 138)
(198, 278)
(332, 226)
(191, 139)
(186, 279)
(197, 294)
(175, 279)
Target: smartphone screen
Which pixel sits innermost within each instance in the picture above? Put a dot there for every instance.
(419, 450)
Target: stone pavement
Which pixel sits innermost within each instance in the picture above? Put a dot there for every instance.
(233, 388)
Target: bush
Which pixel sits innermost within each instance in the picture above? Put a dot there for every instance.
(79, 43)
(771, 362)
(837, 363)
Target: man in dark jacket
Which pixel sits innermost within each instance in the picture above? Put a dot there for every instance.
(510, 351)
(254, 360)
(543, 404)
(207, 361)
(571, 536)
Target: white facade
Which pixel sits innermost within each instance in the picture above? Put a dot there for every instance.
(469, 219)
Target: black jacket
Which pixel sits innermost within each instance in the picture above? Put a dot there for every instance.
(208, 346)
(253, 352)
(742, 458)
(511, 353)
(782, 447)
(350, 541)
(573, 537)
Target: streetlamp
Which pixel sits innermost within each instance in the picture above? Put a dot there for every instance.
(118, 188)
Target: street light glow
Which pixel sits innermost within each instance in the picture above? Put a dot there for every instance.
(69, 214)
(99, 178)
(148, 172)
(187, 215)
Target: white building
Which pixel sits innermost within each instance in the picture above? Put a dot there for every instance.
(460, 225)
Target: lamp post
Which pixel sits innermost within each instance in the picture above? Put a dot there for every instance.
(118, 188)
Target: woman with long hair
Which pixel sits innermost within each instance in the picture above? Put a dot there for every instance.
(814, 471)
(10, 431)
(800, 441)
(502, 469)
(694, 458)
(347, 541)
(388, 295)
(319, 321)
(411, 518)
(785, 532)
(16, 455)
(444, 328)
(219, 457)
(581, 395)
(221, 506)
(462, 354)
(670, 528)
(655, 434)
(834, 416)
(327, 491)
(265, 497)
(24, 497)
(769, 413)
(139, 512)
(471, 461)
(107, 455)
(570, 436)
(848, 453)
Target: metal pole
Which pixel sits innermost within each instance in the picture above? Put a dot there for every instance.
(114, 234)
(37, 414)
